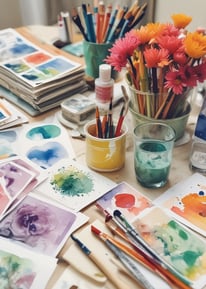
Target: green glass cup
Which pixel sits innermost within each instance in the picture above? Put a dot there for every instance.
(153, 147)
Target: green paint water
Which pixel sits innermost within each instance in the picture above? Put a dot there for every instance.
(152, 163)
(72, 182)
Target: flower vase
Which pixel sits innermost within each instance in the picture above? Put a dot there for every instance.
(143, 108)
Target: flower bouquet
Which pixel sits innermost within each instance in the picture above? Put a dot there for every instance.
(163, 62)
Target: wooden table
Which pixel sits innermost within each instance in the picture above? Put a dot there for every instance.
(180, 162)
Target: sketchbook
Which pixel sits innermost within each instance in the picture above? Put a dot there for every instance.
(35, 75)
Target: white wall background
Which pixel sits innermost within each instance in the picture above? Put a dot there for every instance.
(14, 13)
(194, 8)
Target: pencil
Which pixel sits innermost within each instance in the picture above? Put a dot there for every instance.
(76, 19)
(100, 21)
(90, 25)
(117, 22)
(106, 22)
(111, 22)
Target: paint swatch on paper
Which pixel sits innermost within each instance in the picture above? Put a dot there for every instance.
(45, 144)
(186, 201)
(126, 199)
(73, 185)
(177, 245)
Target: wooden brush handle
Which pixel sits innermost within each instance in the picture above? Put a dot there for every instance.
(112, 277)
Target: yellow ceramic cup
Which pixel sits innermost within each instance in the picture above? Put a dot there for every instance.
(104, 155)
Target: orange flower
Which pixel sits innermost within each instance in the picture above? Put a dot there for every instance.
(149, 32)
(181, 20)
(195, 45)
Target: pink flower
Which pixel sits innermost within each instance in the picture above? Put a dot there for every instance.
(122, 50)
(200, 71)
(175, 81)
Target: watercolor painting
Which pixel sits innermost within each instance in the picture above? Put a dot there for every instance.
(45, 144)
(7, 143)
(10, 115)
(18, 176)
(14, 178)
(38, 224)
(12, 45)
(176, 244)
(22, 269)
(47, 155)
(126, 199)
(187, 202)
(73, 185)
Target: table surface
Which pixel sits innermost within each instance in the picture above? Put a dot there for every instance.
(180, 163)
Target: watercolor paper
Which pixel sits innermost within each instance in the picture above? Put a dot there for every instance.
(39, 224)
(181, 248)
(126, 199)
(73, 185)
(186, 201)
(9, 115)
(45, 144)
(18, 176)
(23, 269)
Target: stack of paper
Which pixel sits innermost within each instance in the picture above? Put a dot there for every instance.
(10, 116)
(37, 77)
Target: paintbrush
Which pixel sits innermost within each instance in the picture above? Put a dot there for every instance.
(115, 280)
(148, 252)
(98, 124)
(110, 121)
(108, 220)
(123, 257)
(111, 224)
(123, 112)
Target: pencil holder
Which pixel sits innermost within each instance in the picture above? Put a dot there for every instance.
(94, 55)
(104, 155)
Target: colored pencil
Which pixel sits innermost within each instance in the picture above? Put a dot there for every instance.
(76, 19)
(100, 21)
(106, 22)
(90, 25)
(111, 22)
(114, 279)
